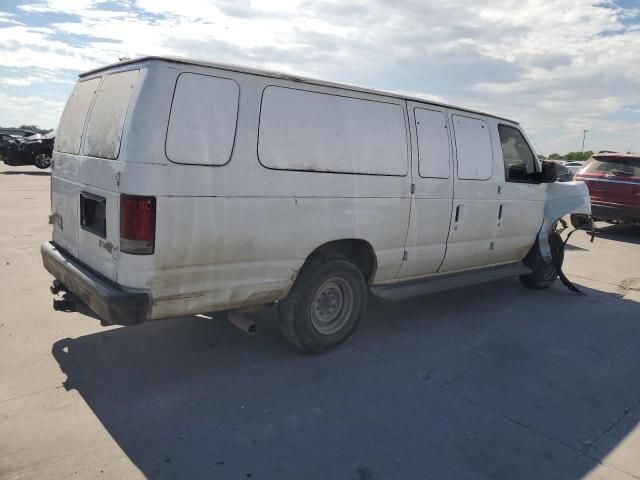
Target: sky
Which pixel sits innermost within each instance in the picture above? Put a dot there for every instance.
(556, 66)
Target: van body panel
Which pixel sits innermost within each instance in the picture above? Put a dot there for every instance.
(224, 249)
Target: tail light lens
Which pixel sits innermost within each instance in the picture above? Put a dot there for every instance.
(137, 224)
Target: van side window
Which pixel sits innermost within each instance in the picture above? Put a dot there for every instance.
(519, 161)
(109, 111)
(203, 119)
(74, 116)
(433, 143)
(473, 148)
(311, 131)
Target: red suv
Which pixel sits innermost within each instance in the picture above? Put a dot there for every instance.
(613, 180)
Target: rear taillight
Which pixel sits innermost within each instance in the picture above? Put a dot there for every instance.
(137, 224)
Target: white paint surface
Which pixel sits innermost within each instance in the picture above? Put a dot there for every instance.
(203, 120)
(473, 148)
(433, 143)
(302, 130)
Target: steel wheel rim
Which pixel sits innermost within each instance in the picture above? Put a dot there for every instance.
(331, 306)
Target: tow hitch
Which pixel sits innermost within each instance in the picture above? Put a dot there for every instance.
(69, 302)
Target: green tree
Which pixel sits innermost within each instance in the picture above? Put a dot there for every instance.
(578, 156)
(555, 156)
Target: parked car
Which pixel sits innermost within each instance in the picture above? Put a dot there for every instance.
(182, 187)
(613, 180)
(574, 167)
(17, 132)
(8, 146)
(33, 150)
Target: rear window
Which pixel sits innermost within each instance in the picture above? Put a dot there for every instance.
(312, 131)
(621, 167)
(74, 116)
(109, 111)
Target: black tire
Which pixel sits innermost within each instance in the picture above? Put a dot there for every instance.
(543, 273)
(42, 160)
(579, 221)
(306, 315)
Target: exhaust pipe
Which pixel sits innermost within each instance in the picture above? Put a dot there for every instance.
(244, 323)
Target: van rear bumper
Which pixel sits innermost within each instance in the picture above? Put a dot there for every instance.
(113, 303)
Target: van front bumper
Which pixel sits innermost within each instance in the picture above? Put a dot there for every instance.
(113, 303)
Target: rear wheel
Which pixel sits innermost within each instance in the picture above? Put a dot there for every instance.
(42, 160)
(543, 273)
(324, 307)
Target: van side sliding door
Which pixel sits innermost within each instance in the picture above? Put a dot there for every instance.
(431, 201)
(477, 187)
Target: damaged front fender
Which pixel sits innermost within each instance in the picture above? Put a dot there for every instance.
(563, 198)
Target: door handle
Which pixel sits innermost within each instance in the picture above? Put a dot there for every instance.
(457, 213)
(500, 213)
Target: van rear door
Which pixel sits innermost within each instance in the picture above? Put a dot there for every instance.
(87, 167)
(64, 188)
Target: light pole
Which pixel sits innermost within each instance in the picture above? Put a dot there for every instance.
(584, 135)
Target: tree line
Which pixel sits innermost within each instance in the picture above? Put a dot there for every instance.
(572, 156)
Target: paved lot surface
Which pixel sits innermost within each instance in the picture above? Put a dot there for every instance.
(493, 381)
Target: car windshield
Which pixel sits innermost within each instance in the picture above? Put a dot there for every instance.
(619, 166)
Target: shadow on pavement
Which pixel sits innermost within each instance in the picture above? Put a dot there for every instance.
(492, 381)
(37, 174)
(628, 233)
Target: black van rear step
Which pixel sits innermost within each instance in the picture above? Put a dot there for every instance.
(418, 288)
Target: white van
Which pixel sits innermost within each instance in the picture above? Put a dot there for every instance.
(184, 187)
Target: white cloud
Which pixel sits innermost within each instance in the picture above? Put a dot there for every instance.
(29, 110)
(558, 66)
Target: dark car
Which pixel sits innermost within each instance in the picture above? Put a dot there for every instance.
(614, 187)
(8, 146)
(17, 132)
(34, 150)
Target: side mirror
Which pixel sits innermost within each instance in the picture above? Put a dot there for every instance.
(549, 172)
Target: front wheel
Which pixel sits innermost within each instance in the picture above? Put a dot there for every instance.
(544, 273)
(42, 160)
(325, 304)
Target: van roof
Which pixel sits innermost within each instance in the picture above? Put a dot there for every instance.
(284, 76)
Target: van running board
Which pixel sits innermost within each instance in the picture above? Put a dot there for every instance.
(407, 290)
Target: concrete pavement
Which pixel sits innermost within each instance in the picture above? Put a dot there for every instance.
(493, 381)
